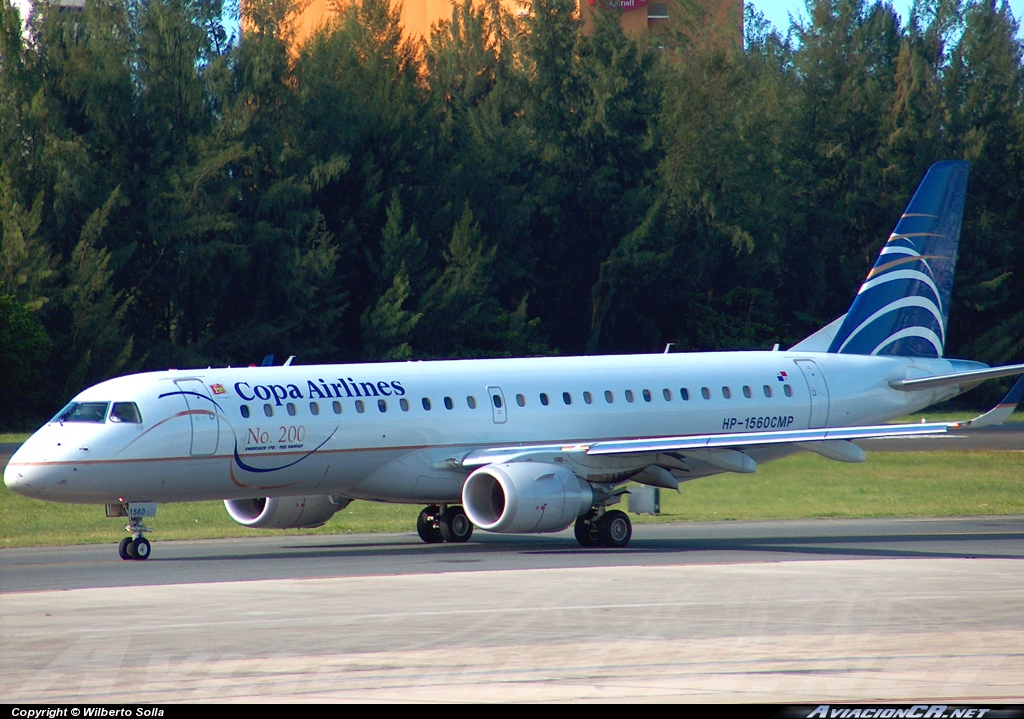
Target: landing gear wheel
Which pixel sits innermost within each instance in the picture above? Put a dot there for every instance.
(454, 525)
(427, 525)
(122, 548)
(614, 529)
(140, 548)
(586, 530)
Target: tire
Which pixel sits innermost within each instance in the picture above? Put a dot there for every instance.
(141, 548)
(586, 531)
(122, 548)
(455, 526)
(426, 525)
(614, 529)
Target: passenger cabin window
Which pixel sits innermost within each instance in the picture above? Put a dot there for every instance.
(684, 393)
(544, 398)
(767, 390)
(629, 395)
(125, 412)
(647, 395)
(746, 392)
(608, 396)
(667, 394)
(360, 407)
(404, 404)
(496, 399)
(83, 412)
(314, 408)
(566, 397)
(244, 409)
(268, 409)
(705, 393)
(426, 404)
(520, 400)
(788, 390)
(726, 392)
(382, 405)
(336, 405)
(448, 404)
(471, 401)
(291, 409)
(588, 398)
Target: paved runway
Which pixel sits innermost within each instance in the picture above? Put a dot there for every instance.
(808, 611)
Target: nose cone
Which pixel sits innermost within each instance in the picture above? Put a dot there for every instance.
(15, 476)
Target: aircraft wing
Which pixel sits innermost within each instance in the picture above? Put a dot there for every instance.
(726, 440)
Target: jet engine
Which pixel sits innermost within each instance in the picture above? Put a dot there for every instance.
(285, 512)
(522, 497)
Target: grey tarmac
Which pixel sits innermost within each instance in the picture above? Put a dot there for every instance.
(797, 612)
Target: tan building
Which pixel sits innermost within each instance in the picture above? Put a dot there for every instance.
(637, 16)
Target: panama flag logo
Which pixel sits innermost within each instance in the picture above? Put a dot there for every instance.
(783, 376)
(218, 389)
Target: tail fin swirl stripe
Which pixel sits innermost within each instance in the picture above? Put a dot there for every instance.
(902, 307)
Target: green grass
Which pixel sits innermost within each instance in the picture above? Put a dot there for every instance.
(889, 484)
(14, 438)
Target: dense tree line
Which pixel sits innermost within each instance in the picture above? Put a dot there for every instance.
(171, 196)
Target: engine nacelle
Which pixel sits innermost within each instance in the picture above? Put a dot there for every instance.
(285, 512)
(523, 497)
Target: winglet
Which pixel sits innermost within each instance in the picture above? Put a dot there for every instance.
(1000, 412)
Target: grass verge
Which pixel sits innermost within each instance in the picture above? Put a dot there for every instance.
(889, 484)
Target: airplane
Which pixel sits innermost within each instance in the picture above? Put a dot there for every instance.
(519, 445)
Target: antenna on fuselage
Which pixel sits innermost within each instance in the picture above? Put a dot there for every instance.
(288, 361)
(667, 346)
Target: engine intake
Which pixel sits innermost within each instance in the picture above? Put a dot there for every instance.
(525, 497)
(285, 512)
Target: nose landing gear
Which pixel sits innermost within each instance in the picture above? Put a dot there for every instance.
(135, 547)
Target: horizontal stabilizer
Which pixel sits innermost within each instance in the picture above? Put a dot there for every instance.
(1001, 411)
(949, 380)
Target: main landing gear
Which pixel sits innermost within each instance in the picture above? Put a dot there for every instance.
(135, 546)
(443, 524)
(604, 529)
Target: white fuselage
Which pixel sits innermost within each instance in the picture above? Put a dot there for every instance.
(364, 432)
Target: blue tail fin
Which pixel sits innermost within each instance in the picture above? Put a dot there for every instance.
(901, 308)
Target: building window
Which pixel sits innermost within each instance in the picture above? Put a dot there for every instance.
(657, 11)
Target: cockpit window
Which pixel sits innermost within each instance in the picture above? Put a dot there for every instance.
(125, 412)
(83, 412)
